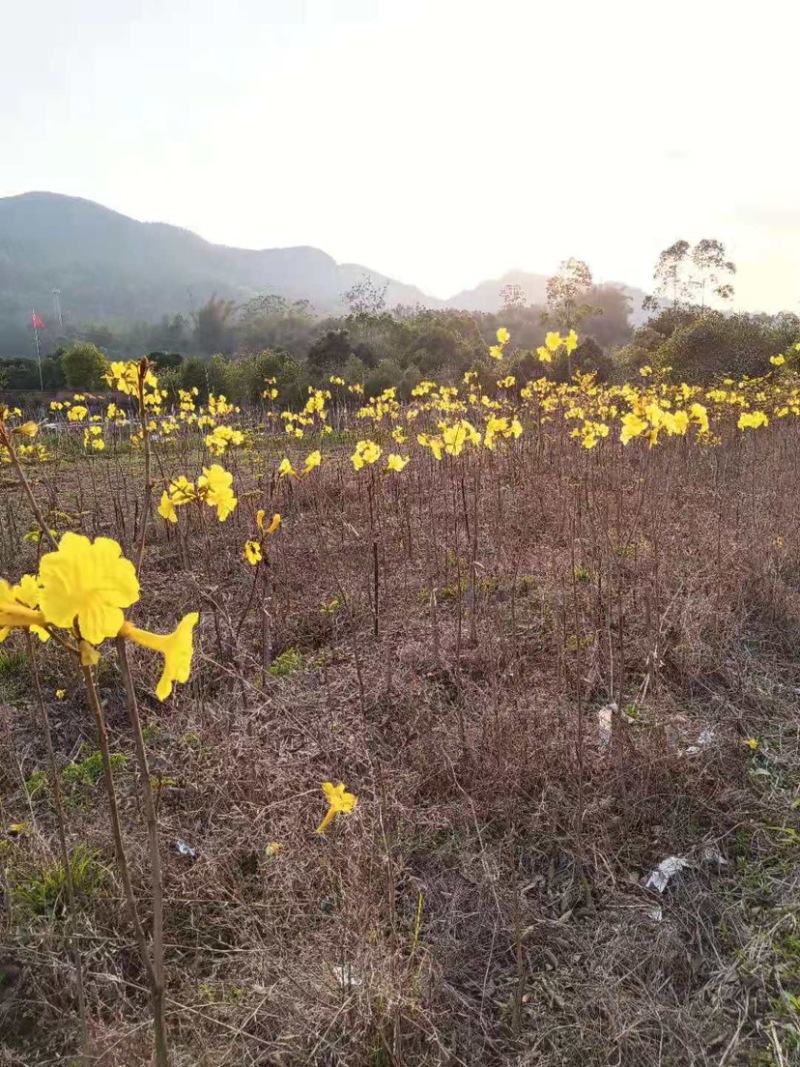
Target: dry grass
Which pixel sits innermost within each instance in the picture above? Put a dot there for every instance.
(485, 904)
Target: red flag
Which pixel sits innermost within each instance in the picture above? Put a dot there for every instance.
(36, 322)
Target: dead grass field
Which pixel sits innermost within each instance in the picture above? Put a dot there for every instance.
(485, 904)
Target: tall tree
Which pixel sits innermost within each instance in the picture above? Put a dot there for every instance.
(366, 297)
(671, 277)
(711, 268)
(513, 297)
(84, 366)
(609, 324)
(684, 273)
(212, 325)
(567, 292)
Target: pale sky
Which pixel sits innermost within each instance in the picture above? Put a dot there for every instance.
(441, 142)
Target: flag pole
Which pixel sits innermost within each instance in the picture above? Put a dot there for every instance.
(38, 350)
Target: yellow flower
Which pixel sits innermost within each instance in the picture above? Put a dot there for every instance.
(273, 848)
(456, 436)
(124, 376)
(182, 490)
(61, 694)
(777, 361)
(496, 352)
(752, 419)
(632, 426)
(503, 336)
(699, 414)
(395, 462)
(176, 648)
(87, 584)
(645, 372)
(166, 509)
(27, 429)
(13, 613)
(215, 485)
(366, 452)
(571, 342)
(90, 657)
(544, 354)
(273, 526)
(286, 470)
(26, 592)
(553, 341)
(312, 461)
(339, 802)
(252, 552)
(752, 743)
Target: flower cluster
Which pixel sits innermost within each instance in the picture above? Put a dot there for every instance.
(79, 596)
(214, 487)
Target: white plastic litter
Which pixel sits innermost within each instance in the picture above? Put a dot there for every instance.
(344, 976)
(705, 739)
(666, 870)
(605, 719)
(185, 850)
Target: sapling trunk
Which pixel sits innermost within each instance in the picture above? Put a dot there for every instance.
(145, 784)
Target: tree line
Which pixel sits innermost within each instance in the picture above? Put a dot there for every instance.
(230, 348)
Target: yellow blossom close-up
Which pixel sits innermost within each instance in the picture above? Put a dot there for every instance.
(86, 584)
(340, 802)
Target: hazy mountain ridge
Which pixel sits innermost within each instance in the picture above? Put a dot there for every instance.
(486, 295)
(113, 268)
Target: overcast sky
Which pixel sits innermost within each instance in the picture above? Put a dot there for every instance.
(439, 141)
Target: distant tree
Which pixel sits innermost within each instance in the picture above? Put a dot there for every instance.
(671, 277)
(290, 378)
(567, 293)
(272, 322)
(168, 335)
(589, 357)
(366, 297)
(84, 366)
(260, 306)
(711, 268)
(99, 334)
(220, 376)
(366, 353)
(512, 297)
(212, 326)
(53, 376)
(703, 347)
(609, 324)
(330, 352)
(384, 376)
(193, 376)
(165, 360)
(684, 273)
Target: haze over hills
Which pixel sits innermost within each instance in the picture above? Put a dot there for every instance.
(113, 268)
(486, 295)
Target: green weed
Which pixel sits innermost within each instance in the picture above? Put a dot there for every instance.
(287, 663)
(43, 892)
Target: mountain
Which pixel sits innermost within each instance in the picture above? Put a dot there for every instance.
(486, 296)
(111, 268)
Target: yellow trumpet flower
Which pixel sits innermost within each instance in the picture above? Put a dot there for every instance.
(340, 802)
(176, 648)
